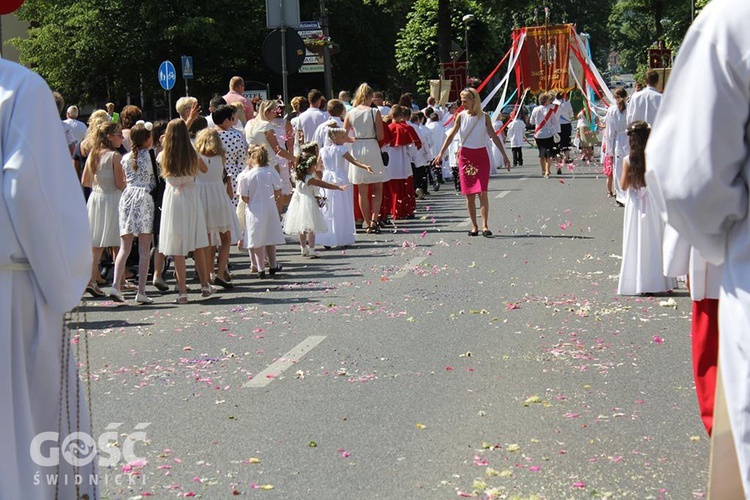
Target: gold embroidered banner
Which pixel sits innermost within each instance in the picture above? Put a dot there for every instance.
(544, 58)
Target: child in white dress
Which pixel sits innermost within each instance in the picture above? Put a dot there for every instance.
(216, 197)
(339, 208)
(642, 268)
(183, 225)
(259, 188)
(136, 212)
(104, 175)
(304, 217)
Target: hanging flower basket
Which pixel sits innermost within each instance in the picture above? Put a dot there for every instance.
(318, 43)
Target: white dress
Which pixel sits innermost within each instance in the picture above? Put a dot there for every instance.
(700, 177)
(218, 210)
(339, 209)
(262, 224)
(104, 205)
(642, 269)
(183, 225)
(136, 203)
(496, 158)
(39, 282)
(304, 213)
(365, 148)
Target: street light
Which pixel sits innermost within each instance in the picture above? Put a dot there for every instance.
(467, 19)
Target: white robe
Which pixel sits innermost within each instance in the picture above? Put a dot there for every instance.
(45, 263)
(699, 162)
(644, 105)
(616, 138)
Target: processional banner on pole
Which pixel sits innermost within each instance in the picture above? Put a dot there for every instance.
(544, 58)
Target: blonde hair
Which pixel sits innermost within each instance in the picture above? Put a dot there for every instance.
(334, 129)
(235, 82)
(475, 106)
(101, 142)
(264, 108)
(179, 158)
(183, 106)
(258, 155)
(208, 142)
(239, 111)
(363, 93)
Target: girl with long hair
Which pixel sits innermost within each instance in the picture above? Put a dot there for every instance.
(642, 269)
(136, 212)
(104, 175)
(183, 224)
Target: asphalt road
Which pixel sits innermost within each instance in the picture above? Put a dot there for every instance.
(419, 364)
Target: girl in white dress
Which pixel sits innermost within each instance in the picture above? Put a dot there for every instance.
(215, 194)
(183, 225)
(136, 212)
(339, 208)
(259, 188)
(304, 216)
(104, 175)
(642, 268)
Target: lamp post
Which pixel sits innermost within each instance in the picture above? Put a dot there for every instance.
(467, 19)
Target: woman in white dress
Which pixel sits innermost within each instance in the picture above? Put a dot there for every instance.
(136, 212)
(616, 138)
(183, 225)
(260, 131)
(642, 269)
(367, 124)
(104, 175)
(339, 208)
(216, 195)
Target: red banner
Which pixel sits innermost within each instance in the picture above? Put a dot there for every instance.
(456, 72)
(544, 58)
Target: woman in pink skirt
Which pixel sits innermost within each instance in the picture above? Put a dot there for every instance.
(475, 129)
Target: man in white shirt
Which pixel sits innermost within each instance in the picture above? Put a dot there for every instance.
(698, 170)
(77, 128)
(69, 138)
(345, 98)
(214, 103)
(311, 118)
(644, 105)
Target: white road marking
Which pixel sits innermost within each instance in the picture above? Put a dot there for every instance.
(466, 222)
(502, 194)
(524, 178)
(283, 363)
(408, 267)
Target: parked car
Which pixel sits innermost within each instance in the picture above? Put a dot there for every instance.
(525, 113)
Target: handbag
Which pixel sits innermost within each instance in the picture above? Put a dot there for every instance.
(321, 201)
(157, 193)
(383, 154)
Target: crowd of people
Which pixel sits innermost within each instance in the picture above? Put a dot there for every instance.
(245, 175)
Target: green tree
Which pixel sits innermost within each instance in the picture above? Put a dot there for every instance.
(637, 25)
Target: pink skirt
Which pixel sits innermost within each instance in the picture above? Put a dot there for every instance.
(473, 170)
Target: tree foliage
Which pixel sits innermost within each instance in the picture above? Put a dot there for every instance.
(637, 25)
(96, 50)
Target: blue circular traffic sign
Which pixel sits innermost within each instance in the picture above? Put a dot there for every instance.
(167, 75)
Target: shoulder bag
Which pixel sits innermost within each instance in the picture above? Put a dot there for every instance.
(383, 154)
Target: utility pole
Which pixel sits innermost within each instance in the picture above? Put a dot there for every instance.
(327, 77)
